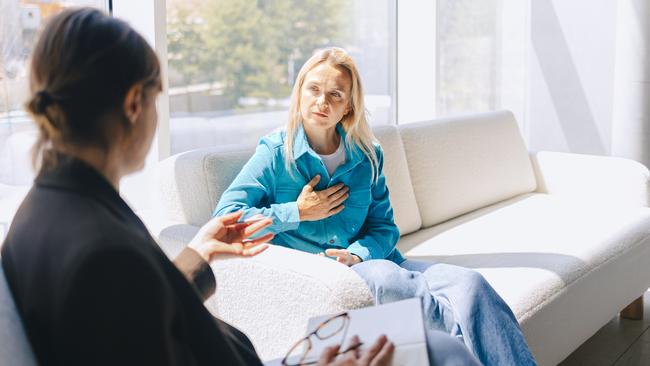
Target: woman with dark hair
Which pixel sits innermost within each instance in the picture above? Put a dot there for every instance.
(91, 285)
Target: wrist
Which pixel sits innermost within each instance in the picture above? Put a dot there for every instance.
(301, 212)
(200, 251)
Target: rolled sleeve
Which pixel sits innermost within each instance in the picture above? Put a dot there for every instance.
(286, 215)
(360, 251)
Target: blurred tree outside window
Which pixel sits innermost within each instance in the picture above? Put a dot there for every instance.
(481, 56)
(232, 63)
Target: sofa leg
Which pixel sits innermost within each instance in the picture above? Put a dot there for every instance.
(633, 311)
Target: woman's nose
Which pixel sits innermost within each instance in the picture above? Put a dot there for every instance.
(321, 102)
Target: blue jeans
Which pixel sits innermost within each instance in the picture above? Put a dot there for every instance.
(456, 300)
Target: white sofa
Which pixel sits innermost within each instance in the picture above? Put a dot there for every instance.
(563, 238)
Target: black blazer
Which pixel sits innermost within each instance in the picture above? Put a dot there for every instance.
(93, 288)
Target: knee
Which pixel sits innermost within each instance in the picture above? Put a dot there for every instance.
(471, 281)
(387, 281)
(377, 271)
(474, 279)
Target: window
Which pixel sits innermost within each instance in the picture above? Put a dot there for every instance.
(232, 63)
(481, 56)
(20, 21)
(466, 48)
(462, 56)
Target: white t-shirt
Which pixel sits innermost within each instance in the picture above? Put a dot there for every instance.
(334, 160)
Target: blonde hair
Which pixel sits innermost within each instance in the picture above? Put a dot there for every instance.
(355, 122)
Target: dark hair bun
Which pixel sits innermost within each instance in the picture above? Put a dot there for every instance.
(41, 101)
(83, 65)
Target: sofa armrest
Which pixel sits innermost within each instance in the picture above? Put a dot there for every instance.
(593, 179)
(172, 236)
(271, 296)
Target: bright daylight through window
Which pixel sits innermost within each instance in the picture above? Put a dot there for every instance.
(20, 21)
(232, 63)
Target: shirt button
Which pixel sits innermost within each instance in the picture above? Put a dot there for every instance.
(332, 241)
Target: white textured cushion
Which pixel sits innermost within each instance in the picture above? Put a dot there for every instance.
(402, 197)
(460, 164)
(533, 248)
(271, 296)
(14, 346)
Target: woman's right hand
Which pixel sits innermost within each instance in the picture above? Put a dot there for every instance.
(317, 205)
(379, 354)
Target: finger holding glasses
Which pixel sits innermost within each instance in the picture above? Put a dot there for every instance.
(379, 354)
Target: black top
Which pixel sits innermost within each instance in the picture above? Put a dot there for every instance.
(93, 288)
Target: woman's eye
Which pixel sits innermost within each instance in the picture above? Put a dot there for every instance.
(335, 94)
(313, 88)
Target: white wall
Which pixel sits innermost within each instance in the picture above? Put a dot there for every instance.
(631, 120)
(416, 61)
(571, 75)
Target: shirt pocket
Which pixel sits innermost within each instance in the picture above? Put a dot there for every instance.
(359, 198)
(356, 210)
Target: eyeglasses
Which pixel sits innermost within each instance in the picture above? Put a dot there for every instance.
(329, 328)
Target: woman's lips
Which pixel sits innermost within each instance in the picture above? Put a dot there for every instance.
(320, 114)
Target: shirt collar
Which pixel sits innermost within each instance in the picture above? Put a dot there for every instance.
(353, 154)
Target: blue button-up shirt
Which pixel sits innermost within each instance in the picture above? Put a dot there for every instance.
(265, 187)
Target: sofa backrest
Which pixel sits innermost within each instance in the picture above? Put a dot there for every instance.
(192, 182)
(460, 164)
(398, 180)
(14, 346)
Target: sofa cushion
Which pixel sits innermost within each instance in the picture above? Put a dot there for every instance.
(14, 346)
(460, 164)
(398, 180)
(551, 259)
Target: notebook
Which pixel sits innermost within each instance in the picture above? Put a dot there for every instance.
(400, 321)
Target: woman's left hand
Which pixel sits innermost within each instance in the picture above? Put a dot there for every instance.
(343, 256)
(225, 235)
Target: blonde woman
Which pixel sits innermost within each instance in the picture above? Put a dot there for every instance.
(320, 180)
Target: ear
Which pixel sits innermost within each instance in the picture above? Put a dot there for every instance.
(133, 103)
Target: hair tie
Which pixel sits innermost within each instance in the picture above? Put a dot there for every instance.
(44, 100)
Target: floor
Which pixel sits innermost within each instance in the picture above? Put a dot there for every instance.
(621, 342)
